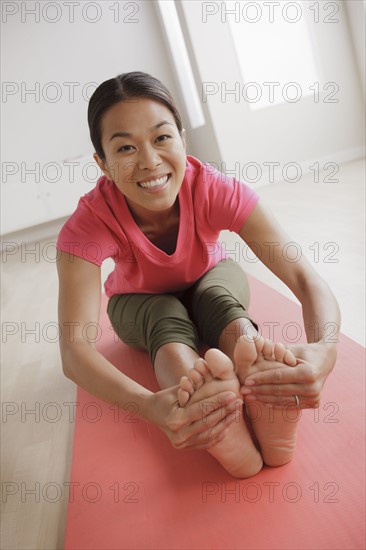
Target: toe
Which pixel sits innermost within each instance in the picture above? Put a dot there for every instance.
(196, 378)
(186, 385)
(183, 397)
(290, 359)
(279, 352)
(201, 366)
(219, 364)
(284, 355)
(259, 343)
(245, 352)
(267, 349)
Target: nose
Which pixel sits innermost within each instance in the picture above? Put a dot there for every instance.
(148, 158)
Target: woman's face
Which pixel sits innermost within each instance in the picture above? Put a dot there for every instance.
(145, 154)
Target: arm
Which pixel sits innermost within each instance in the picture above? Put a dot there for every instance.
(319, 307)
(79, 305)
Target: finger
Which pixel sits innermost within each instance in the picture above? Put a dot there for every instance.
(199, 410)
(282, 390)
(310, 401)
(284, 402)
(215, 441)
(211, 436)
(282, 375)
(280, 400)
(209, 439)
(284, 355)
(308, 398)
(211, 425)
(219, 418)
(216, 417)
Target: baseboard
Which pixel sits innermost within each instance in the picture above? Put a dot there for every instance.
(36, 233)
(339, 158)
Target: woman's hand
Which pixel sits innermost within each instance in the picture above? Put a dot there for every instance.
(320, 309)
(277, 387)
(197, 426)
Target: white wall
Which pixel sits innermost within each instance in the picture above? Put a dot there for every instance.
(303, 132)
(81, 52)
(36, 53)
(45, 56)
(356, 12)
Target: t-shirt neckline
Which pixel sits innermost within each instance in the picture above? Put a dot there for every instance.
(137, 237)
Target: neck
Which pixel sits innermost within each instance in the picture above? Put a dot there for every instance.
(144, 217)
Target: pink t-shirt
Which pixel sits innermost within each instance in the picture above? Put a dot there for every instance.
(102, 227)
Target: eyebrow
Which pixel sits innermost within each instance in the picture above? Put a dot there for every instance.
(152, 129)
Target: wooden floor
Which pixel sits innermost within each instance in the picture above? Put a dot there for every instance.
(325, 220)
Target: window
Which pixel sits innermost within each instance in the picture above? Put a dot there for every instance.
(274, 45)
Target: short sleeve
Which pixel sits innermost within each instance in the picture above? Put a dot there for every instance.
(85, 235)
(228, 200)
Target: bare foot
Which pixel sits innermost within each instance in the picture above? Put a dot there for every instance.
(275, 429)
(236, 451)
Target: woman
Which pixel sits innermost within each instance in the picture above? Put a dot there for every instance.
(157, 212)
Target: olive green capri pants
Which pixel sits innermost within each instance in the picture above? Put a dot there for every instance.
(199, 313)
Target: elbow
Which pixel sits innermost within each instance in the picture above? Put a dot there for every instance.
(66, 371)
(66, 368)
(67, 360)
(311, 282)
(73, 356)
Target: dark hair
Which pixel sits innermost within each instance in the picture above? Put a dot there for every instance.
(122, 87)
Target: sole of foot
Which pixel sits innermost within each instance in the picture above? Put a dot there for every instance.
(236, 451)
(274, 428)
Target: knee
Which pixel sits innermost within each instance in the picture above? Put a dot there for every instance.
(165, 314)
(166, 306)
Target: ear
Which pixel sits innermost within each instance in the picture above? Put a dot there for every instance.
(103, 166)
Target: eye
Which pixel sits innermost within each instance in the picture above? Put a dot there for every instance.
(163, 137)
(124, 148)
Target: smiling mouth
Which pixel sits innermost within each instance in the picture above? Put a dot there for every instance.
(159, 182)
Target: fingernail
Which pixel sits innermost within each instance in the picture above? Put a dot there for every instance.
(249, 382)
(245, 390)
(251, 398)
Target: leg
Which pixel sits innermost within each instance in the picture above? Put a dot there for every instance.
(210, 305)
(159, 324)
(158, 321)
(172, 361)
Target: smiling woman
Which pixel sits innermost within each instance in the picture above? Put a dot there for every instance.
(158, 212)
(147, 162)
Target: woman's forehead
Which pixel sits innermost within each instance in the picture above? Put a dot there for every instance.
(136, 113)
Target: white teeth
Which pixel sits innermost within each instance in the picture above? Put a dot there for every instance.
(154, 183)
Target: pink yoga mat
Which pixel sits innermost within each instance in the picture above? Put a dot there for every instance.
(129, 489)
